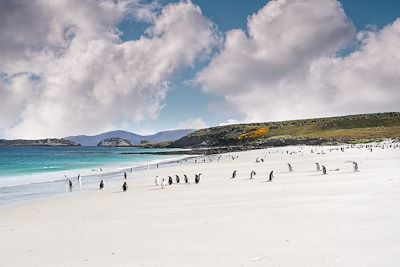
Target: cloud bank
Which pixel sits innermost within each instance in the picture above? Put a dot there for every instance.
(287, 65)
(64, 69)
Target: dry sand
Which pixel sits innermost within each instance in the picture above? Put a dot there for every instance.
(302, 218)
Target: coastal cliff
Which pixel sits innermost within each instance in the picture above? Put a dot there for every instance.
(39, 142)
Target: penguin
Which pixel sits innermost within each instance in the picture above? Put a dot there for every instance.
(355, 166)
(157, 181)
(125, 175)
(271, 175)
(163, 184)
(234, 174)
(252, 174)
(124, 187)
(177, 179)
(66, 182)
(186, 179)
(262, 160)
(170, 180)
(70, 185)
(197, 178)
(317, 167)
(290, 167)
(323, 169)
(101, 186)
(79, 180)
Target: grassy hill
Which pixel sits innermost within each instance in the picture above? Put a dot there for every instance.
(333, 130)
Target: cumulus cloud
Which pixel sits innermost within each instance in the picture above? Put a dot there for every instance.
(193, 123)
(287, 64)
(64, 70)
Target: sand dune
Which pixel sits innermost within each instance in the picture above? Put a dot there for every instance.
(302, 218)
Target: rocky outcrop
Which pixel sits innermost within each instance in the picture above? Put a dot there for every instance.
(115, 142)
(40, 142)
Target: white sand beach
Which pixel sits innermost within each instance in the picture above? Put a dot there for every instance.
(301, 218)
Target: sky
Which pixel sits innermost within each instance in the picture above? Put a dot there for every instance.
(72, 67)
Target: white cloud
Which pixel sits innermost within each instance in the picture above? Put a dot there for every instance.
(193, 123)
(286, 66)
(66, 71)
(229, 122)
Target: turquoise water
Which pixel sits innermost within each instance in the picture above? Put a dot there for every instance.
(32, 172)
(16, 161)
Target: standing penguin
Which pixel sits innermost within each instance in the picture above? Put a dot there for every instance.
(70, 185)
(355, 166)
(163, 184)
(290, 167)
(79, 180)
(234, 174)
(170, 180)
(186, 179)
(125, 175)
(252, 174)
(271, 175)
(317, 167)
(323, 169)
(197, 178)
(177, 179)
(157, 181)
(101, 186)
(124, 187)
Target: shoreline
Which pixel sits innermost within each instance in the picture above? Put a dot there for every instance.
(48, 188)
(301, 218)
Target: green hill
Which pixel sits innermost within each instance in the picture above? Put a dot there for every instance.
(333, 130)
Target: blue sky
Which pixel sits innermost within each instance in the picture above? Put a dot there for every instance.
(186, 101)
(85, 67)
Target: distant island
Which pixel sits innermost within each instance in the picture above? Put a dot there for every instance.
(115, 142)
(134, 139)
(40, 142)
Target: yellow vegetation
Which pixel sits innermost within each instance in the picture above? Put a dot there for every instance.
(254, 134)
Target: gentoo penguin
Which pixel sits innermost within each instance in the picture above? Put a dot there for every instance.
(70, 185)
(290, 167)
(234, 174)
(125, 175)
(177, 179)
(197, 178)
(79, 180)
(163, 183)
(157, 181)
(170, 180)
(323, 169)
(101, 184)
(124, 187)
(355, 166)
(252, 174)
(271, 175)
(66, 183)
(317, 167)
(186, 179)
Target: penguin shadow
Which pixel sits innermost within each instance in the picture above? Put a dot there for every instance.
(265, 181)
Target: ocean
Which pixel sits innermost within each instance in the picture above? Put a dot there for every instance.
(32, 172)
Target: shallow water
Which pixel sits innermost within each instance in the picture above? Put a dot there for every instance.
(31, 172)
